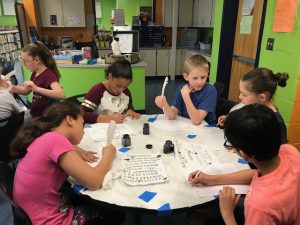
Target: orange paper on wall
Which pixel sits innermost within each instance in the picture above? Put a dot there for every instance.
(285, 16)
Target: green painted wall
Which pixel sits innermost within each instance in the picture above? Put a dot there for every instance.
(132, 8)
(6, 20)
(78, 80)
(285, 57)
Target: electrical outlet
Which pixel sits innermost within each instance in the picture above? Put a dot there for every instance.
(270, 44)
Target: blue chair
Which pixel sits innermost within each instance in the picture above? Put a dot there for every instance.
(6, 189)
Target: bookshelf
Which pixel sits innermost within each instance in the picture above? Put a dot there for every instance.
(10, 45)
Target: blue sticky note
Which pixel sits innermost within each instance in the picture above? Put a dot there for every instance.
(242, 161)
(208, 125)
(77, 188)
(152, 119)
(164, 209)
(123, 149)
(147, 196)
(191, 136)
(216, 196)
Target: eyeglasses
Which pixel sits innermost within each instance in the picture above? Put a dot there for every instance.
(23, 61)
(227, 145)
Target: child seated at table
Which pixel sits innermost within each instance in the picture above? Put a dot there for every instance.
(259, 86)
(195, 100)
(111, 100)
(254, 132)
(48, 156)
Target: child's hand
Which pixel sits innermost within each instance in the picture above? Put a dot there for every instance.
(196, 179)
(118, 118)
(88, 156)
(221, 120)
(160, 101)
(227, 202)
(134, 115)
(30, 85)
(109, 152)
(186, 90)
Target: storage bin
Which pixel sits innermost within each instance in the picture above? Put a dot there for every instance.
(204, 45)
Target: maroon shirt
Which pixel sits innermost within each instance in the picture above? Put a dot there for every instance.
(43, 80)
(93, 99)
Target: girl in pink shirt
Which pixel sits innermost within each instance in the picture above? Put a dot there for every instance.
(48, 156)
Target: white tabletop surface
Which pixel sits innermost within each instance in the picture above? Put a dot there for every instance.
(176, 191)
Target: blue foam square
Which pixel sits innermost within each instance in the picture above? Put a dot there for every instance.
(191, 136)
(242, 161)
(152, 119)
(123, 149)
(208, 125)
(147, 196)
(77, 188)
(164, 209)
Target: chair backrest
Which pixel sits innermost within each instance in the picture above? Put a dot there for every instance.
(7, 133)
(75, 99)
(6, 189)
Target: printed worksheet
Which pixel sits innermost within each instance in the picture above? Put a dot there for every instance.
(191, 157)
(143, 169)
(98, 131)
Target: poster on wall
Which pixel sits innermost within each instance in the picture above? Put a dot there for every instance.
(8, 7)
(285, 16)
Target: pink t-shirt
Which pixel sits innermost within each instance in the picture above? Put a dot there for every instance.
(38, 179)
(275, 197)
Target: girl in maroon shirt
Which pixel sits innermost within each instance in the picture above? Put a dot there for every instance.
(44, 81)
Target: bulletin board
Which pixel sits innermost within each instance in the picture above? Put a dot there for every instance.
(8, 7)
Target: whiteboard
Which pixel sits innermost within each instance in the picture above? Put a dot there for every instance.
(8, 7)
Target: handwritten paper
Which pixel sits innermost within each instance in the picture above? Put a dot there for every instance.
(191, 157)
(98, 131)
(247, 7)
(143, 169)
(246, 24)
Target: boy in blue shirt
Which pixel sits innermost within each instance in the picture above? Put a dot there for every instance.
(195, 100)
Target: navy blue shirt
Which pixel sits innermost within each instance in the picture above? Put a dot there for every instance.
(282, 127)
(204, 99)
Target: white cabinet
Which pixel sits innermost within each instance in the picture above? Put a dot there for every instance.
(62, 13)
(162, 62)
(167, 11)
(203, 15)
(149, 57)
(185, 13)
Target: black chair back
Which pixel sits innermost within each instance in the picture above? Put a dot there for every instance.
(75, 99)
(6, 189)
(7, 133)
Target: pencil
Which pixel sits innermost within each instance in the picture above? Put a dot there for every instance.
(197, 174)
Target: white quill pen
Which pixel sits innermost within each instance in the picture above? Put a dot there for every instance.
(110, 132)
(164, 86)
(10, 74)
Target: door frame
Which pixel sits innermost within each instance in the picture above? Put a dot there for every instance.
(227, 35)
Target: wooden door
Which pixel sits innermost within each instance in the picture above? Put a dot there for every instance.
(245, 48)
(21, 20)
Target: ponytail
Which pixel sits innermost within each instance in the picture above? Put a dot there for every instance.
(281, 78)
(53, 116)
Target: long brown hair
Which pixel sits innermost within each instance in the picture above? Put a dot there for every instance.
(39, 49)
(51, 118)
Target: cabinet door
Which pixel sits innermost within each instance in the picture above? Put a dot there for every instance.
(168, 13)
(149, 57)
(204, 13)
(74, 14)
(213, 13)
(195, 13)
(162, 62)
(51, 8)
(185, 15)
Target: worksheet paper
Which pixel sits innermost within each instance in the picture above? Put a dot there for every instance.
(98, 131)
(223, 168)
(191, 157)
(143, 169)
(170, 125)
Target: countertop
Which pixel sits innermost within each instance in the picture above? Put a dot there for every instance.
(139, 64)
